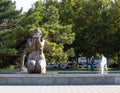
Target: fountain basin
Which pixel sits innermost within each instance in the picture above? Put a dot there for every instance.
(59, 79)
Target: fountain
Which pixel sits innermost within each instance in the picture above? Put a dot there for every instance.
(103, 65)
(37, 57)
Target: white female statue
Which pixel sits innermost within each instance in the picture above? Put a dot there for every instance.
(103, 65)
(36, 60)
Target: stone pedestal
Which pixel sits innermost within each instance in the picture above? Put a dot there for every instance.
(59, 79)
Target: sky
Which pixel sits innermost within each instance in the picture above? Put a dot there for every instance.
(26, 4)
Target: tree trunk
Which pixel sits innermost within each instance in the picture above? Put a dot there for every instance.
(87, 63)
(77, 64)
(119, 59)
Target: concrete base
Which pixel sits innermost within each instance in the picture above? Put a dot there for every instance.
(59, 79)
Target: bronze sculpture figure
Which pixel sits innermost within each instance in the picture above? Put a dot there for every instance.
(36, 60)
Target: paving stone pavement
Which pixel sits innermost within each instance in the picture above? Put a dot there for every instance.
(60, 89)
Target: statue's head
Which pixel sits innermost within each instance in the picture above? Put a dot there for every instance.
(36, 33)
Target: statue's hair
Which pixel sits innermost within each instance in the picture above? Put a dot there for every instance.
(37, 30)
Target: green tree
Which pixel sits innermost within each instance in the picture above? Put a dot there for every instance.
(8, 14)
(90, 20)
(89, 23)
(58, 35)
(8, 19)
(115, 27)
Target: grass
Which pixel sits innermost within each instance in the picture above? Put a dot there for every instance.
(82, 69)
(56, 69)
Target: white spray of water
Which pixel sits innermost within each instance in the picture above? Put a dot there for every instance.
(103, 65)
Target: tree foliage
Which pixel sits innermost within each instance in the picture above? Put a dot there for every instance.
(8, 19)
(58, 34)
(88, 27)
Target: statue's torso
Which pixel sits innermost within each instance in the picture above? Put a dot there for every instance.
(36, 51)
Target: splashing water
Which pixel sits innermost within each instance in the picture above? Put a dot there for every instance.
(103, 65)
